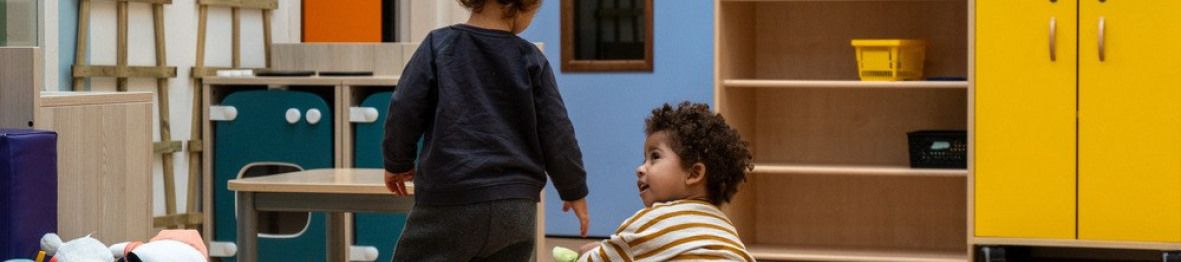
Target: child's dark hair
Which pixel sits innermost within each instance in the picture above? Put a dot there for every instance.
(699, 135)
(511, 7)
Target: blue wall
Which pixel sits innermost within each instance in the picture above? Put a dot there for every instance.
(67, 32)
(608, 109)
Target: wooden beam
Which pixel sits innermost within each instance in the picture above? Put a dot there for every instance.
(202, 72)
(177, 219)
(83, 36)
(162, 2)
(196, 122)
(249, 4)
(195, 145)
(166, 147)
(162, 101)
(130, 71)
(266, 36)
(202, 19)
(121, 49)
(236, 37)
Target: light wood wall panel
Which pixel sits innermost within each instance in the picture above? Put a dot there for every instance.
(104, 163)
(20, 80)
(384, 59)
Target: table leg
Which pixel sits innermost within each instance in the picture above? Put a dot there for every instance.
(247, 228)
(337, 244)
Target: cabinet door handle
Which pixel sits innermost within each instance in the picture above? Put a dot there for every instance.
(1053, 38)
(1102, 39)
(293, 115)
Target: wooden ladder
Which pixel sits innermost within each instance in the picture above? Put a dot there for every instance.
(121, 71)
(199, 72)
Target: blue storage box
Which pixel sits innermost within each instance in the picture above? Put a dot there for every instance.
(28, 190)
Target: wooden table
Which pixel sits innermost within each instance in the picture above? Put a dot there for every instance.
(336, 191)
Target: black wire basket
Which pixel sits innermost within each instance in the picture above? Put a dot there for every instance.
(938, 148)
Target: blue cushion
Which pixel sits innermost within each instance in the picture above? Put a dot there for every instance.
(28, 190)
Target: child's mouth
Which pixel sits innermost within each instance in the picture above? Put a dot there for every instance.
(643, 187)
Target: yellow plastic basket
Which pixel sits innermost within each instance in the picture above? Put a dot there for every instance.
(889, 59)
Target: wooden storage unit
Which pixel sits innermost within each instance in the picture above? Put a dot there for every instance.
(832, 180)
(104, 147)
(341, 92)
(217, 88)
(385, 60)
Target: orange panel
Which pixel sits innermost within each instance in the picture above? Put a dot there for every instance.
(341, 21)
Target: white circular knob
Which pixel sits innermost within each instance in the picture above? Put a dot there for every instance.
(313, 116)
(228, 113)
(371, 113)
(292, 115)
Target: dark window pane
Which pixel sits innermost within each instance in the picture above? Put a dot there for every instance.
(389, 21)
(609, 29)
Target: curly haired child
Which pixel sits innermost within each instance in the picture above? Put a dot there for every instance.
(693, 163)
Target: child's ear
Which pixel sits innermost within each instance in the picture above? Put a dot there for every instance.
(696, 174)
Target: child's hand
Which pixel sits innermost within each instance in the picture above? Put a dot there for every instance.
(579, 207)
(396, 183)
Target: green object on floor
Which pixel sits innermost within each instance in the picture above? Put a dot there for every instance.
(562, 254)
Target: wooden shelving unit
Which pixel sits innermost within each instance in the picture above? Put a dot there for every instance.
(828, 254)
(753, 83)
(832, 180)
(857, 170)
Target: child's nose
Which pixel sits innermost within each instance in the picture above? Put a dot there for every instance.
(640, 170)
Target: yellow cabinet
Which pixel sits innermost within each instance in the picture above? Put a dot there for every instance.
(1129, 148)
(1025, 119)
(1077, 136)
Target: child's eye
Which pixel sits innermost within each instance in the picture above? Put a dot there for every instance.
(654, 155)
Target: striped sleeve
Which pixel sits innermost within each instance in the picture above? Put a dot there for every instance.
(678, 230)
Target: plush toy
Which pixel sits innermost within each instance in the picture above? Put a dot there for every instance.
(83, 249)
(168, 246)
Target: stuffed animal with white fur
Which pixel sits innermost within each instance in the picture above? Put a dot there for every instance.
(83, 249)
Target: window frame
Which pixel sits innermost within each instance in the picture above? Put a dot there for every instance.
(569, 64)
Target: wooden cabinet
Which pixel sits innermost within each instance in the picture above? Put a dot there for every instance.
(832, 180)
(1089, 134)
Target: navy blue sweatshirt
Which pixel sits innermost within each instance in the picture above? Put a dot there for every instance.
(487, 106)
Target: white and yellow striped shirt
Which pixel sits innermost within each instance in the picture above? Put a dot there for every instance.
(677, 230)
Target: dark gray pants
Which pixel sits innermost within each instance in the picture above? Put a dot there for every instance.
(502, 230)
